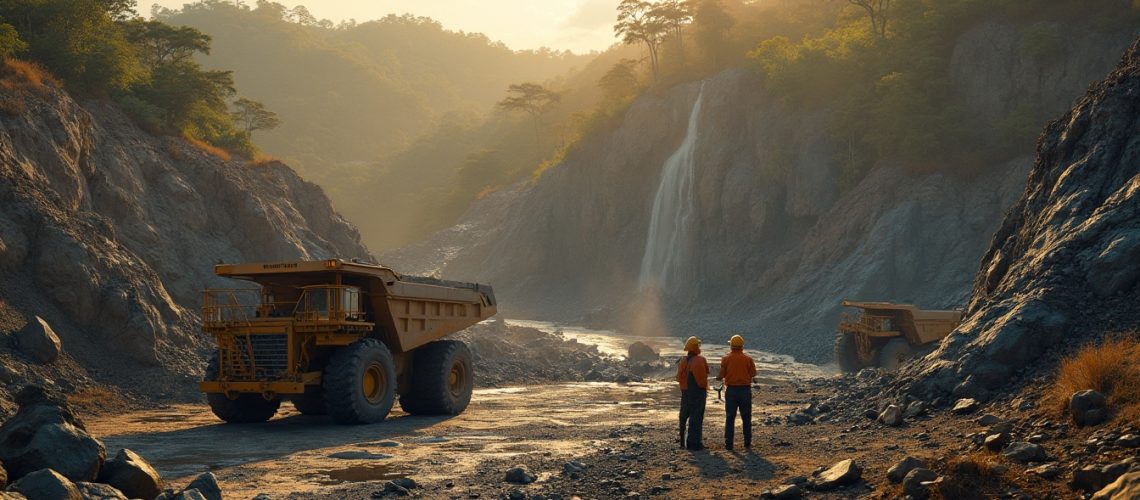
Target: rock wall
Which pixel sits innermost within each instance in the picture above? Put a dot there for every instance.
(109, 233)
(1066, 261)
(775, 244)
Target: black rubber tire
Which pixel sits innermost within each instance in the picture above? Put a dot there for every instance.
(432, 391)
(246, 409)
(894, 353)
(344, 383)
(312, 402)
(847, 353)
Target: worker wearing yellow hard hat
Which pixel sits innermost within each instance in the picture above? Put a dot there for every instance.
(693, 377)
(737, 371)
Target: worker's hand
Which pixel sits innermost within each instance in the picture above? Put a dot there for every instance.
(718, 377)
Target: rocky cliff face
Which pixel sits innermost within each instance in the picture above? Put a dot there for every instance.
(773, 243)
(1066, 261)
(109, 233)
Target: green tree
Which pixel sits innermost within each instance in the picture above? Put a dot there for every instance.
(251, 115)
(674, 15)
(532, 99)
(10, 42)
(637, 22)
(160, 44)
(77, 40)
(878, 11)
(620, 81)
(712, 24)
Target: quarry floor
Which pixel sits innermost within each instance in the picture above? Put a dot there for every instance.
(623, 433)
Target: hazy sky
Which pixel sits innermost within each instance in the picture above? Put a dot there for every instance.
(578, 25)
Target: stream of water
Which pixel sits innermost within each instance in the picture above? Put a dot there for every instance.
(768, 365)
(666, 241)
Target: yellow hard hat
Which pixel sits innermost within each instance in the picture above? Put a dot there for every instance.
(736, 341)
(692, 344)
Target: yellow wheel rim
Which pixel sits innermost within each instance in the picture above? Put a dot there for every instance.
(373, 383)
(455, 378)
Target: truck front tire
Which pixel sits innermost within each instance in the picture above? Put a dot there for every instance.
(442, 379)
(360, 383)
(847, 353)
(245, 409)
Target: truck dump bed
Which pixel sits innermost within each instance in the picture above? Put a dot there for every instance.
(408, 311)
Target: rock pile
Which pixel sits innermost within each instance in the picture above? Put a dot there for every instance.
(46, 453)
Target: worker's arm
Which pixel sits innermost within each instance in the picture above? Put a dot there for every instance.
(720, 373)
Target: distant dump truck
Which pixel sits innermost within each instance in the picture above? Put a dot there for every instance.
(885, 335)
(339, 338)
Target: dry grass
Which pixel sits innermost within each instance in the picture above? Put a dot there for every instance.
(209, 148)
(261, 160)
(1111, 367)
(26, 76)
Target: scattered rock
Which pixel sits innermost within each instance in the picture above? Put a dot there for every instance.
(1088, 407)
(892, 416)
(132, 475)
(988, 420)
(1093, 478)
(99, 491)
(393, 489)
(841, 474)
(46, 484)
(914, 409)
(1126, 487)
(913, 482)
(899, 471)
(1125, 441)
(38, 341)
(190, 494)
(995, 442)
(965, 406)
(1048, 471)
(576, 467)
(1023, 452)
(45, 434)
(206, 484)
(787, 491)
(640, 352)
(519, 475)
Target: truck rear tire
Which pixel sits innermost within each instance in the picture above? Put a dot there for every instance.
(847, 353)
(442, 379)
(312, 402)
(360, 383)
(245, 409)
(894, 353)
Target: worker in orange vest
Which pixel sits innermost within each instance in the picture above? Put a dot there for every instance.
(693, 376)
(737, 370)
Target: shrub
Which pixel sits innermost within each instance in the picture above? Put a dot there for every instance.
(27, 76)
(1111, 367)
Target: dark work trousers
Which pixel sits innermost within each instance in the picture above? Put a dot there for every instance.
(737, 398)
(693, 411)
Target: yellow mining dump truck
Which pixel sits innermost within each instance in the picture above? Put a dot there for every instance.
(339, 338)
(885, 335)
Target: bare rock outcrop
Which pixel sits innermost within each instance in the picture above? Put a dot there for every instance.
(1066, 262)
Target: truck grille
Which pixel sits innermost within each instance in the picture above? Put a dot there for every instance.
(270, 358)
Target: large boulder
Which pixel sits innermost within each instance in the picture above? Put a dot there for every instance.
(1126, 487)
(1088, 407)
(38, 341)
(206, 484)
(46, 484)
(640, 352)
(1092, 478)
(45, 434)
(132, 475)
(899, 471)
(841, 474)
(892, 416)
(99, 491)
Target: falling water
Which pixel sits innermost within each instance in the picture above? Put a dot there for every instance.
(665, 244)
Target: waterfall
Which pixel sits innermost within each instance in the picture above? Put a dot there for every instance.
(667, 240)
